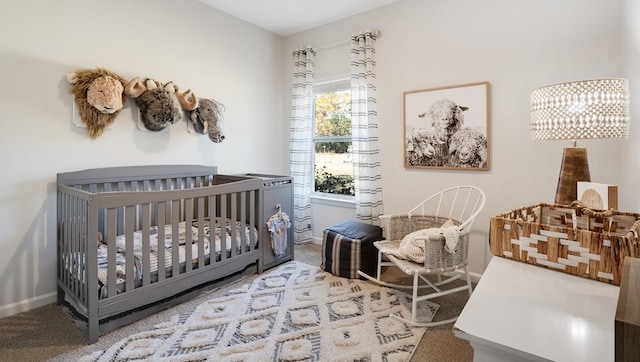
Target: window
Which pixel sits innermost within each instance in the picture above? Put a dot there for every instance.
(333, 164)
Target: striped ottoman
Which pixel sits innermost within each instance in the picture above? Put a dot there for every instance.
(348, 247)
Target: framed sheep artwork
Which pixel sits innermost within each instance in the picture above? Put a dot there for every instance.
(447, 127)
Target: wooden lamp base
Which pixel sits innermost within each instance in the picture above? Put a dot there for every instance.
(575, 167)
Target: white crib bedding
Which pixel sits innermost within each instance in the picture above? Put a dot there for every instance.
(168, 232)
(138, 259)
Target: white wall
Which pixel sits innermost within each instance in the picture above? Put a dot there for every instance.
(629, 171)
(187, 42)
(515, 45)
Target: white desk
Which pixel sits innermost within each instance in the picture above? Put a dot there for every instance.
(520, 312)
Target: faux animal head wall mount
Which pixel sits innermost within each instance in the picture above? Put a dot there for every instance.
(207, 119)
(160, 104)
(99, 96)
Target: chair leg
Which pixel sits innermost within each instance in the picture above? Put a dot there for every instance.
(378, 279)
(415, 299)
(379, 265)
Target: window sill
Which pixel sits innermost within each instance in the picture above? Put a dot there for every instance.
(333, 201)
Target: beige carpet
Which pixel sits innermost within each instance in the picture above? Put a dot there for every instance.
(47, 333)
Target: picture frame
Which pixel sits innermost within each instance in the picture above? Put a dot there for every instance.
(447, 127)
(597, 195)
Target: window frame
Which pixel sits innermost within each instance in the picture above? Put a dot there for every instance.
(332, 85)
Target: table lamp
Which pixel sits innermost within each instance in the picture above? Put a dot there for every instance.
(587, 109)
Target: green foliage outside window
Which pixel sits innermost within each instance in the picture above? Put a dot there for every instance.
(333, 119)
(334, 184)
(334, 168)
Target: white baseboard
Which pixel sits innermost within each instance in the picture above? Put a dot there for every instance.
(27, 305)
(475, 277)
(314, 241)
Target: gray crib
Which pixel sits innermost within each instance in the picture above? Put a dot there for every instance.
(137, 236)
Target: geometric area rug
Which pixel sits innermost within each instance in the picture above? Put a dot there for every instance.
(295, 312)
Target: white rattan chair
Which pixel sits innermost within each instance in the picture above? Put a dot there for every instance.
(461, 204)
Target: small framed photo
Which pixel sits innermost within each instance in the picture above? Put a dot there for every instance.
(598, 196)
(447, 127)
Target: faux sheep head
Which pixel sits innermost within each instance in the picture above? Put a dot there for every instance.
(160, 104)
(99, 96)
(207, 119)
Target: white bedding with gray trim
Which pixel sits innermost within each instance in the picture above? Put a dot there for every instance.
(137, 241)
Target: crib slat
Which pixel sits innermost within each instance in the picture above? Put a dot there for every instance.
(200, 203)
(129, 252)
(175, 238)
(188, 209)
(67, 240)
(233, 233)
(75, 251)
(252, 218)
(162, 217)
(69, 245)
(243, 221)
(213, 257)
(223, 227)
(73, 263)
(110, 235)
(146, 249)
(80, 260)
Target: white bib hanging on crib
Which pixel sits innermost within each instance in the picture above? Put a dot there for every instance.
(277, 226)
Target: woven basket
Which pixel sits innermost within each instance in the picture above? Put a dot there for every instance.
(572, 239)
(396, 227)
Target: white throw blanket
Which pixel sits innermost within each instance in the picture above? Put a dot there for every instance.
(412, 245)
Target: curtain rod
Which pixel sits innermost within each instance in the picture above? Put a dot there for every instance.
(376, 34)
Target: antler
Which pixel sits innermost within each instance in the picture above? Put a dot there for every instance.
(153, 84)
(188, 100)
(134, 88)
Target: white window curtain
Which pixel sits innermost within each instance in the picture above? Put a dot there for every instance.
(301, 142)
(364, 127)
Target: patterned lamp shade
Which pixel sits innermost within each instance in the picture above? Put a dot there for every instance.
(596, 108)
